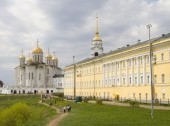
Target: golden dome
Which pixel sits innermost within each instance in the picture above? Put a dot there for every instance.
(29, 59)
(97, 37)
(49, 56)
(54, 58)
(37, 50)
(21, 57)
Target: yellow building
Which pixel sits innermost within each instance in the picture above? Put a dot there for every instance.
(123, 73)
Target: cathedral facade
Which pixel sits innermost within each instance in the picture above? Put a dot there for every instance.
(33, 75)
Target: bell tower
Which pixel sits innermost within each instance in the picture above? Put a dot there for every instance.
(97, 44)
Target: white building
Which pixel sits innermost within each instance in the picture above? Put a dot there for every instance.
(34, 75)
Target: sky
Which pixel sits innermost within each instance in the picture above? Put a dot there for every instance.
(68, 27)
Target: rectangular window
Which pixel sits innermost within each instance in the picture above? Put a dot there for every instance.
(123, 80)
(154, 59)
(141, 79)
(29, 76)
(135, 80)
(134, 62)
(117, 65)
(163, 96)
(130, 80)
(163, 78)
(155, 79)
(147, 59)
(148, 79)
(21, 76)
(133, 95)
(123, 64)
(129, 62)
(141, 60)
(32, 76)
(162, 56)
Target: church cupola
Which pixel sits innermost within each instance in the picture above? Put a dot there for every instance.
(55, 61)
(29, 60)
(96, 45)
(48, 58)
(22, 58)
(37, 54)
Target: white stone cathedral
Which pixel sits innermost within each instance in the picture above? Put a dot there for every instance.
(33, 75)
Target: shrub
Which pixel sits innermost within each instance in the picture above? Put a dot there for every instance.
(99, 101)
(133, 103)
(61, 95)
(16, 115)
(117, 97)
(86, 100)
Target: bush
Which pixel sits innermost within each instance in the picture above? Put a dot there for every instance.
(117, 97)
(99, 101)
(133, 103)
(61, 95)
(16, 115)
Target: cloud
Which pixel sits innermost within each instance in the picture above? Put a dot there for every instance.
(67, 27)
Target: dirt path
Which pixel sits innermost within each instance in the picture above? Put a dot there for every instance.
(142, 106)
(127, 104)
(57, 118)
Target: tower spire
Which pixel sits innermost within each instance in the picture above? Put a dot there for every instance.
(22, 52)
(97, 37)
(48, 51)
(97, 29)
(37, 42)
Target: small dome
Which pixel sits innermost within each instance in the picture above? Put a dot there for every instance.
(37, 50)
(29, 59)
(21, 57)
(49, 56)
(54, 58)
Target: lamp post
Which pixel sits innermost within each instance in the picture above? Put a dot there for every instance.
(74, 81)
(151, 70)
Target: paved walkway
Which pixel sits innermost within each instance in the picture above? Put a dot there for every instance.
(57, 118)
(127, 104)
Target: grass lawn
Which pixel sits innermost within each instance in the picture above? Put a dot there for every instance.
(85, 114)
(40, 114)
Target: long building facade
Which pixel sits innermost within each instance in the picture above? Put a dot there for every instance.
(123, 73)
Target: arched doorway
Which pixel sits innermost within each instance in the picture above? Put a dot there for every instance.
(35, 92)
(47, 91)
(15, 91)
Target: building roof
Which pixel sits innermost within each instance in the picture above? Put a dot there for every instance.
(124, 48)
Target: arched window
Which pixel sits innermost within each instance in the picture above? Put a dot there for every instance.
(96, 54)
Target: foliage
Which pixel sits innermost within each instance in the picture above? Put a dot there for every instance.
(39, 115)
(61, 95)
(133, 103)
(117, 97)
(86, 100)
(16, 115)
(99, 101)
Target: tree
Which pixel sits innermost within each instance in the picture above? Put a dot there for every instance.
(1, 83)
